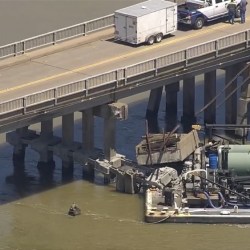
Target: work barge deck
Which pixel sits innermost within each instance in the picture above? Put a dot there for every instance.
(210, 184)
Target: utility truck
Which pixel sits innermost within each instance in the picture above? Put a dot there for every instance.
(198, 12)
(146, 22)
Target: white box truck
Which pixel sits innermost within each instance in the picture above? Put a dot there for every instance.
(146, 22)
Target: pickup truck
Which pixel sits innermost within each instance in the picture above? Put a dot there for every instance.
(198, 12)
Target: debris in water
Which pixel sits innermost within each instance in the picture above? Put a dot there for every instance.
(74, 210)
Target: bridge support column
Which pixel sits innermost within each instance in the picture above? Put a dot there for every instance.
(231, 102)
(88, 120)
(209, 94)
(243, 113)
(19, 147)
(67, 141)
(171, 105)
(15, 139)
(46, 164)
(46, 156)
(188, 117)
(109, 137)
(88, 130)
(153, 108)
(110, 113)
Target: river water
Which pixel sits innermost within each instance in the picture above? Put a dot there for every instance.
(33, 211)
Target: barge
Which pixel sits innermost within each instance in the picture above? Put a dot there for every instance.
(211, 185)
(161, 213)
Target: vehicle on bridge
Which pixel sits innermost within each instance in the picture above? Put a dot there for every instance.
(198, 12)
(146, 22)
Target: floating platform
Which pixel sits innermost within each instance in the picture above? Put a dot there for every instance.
(155, 213)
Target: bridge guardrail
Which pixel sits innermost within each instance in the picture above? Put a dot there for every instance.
(51, 38)
(225, 45)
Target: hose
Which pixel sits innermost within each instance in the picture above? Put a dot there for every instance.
(232, 203)
(211, 203)
(193, 171)
(237, 204)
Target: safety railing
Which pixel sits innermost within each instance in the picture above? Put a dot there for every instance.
(56, 36)
(123, 77)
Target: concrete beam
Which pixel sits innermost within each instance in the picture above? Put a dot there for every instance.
(116, 110)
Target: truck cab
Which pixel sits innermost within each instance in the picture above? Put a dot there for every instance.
(197, 12)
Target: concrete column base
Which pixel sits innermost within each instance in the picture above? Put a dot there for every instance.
(19, 153)
(46, 170)
(100, 178)
(67, 169)
(88, 172)
(120, 182)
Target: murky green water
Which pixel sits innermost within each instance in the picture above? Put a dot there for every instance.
(33, 212)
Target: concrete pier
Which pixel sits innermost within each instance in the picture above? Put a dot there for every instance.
(171, 105)
(209, 94)
(88, 131)
(46, 155)
(67, 141)
(188, 117)
(18, 146)
(153, 108)
(46, 164)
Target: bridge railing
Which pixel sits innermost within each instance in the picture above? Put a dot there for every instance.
(51, 38)
(122, 77)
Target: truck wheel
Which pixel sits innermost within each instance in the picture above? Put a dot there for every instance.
(198, 23)
(158, 38)
(150, 40)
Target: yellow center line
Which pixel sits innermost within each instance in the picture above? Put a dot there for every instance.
(113, 59)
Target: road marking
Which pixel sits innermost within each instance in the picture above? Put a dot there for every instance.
(113, 59)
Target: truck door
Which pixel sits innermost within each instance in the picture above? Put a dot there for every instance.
(131, 29)
(120, 24)
(220, 7)
(171, 19)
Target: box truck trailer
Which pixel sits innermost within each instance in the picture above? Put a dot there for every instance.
(146, 22)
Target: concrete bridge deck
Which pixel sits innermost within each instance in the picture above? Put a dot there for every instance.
(92, 55)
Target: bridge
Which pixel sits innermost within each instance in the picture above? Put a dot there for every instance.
(81, 68)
